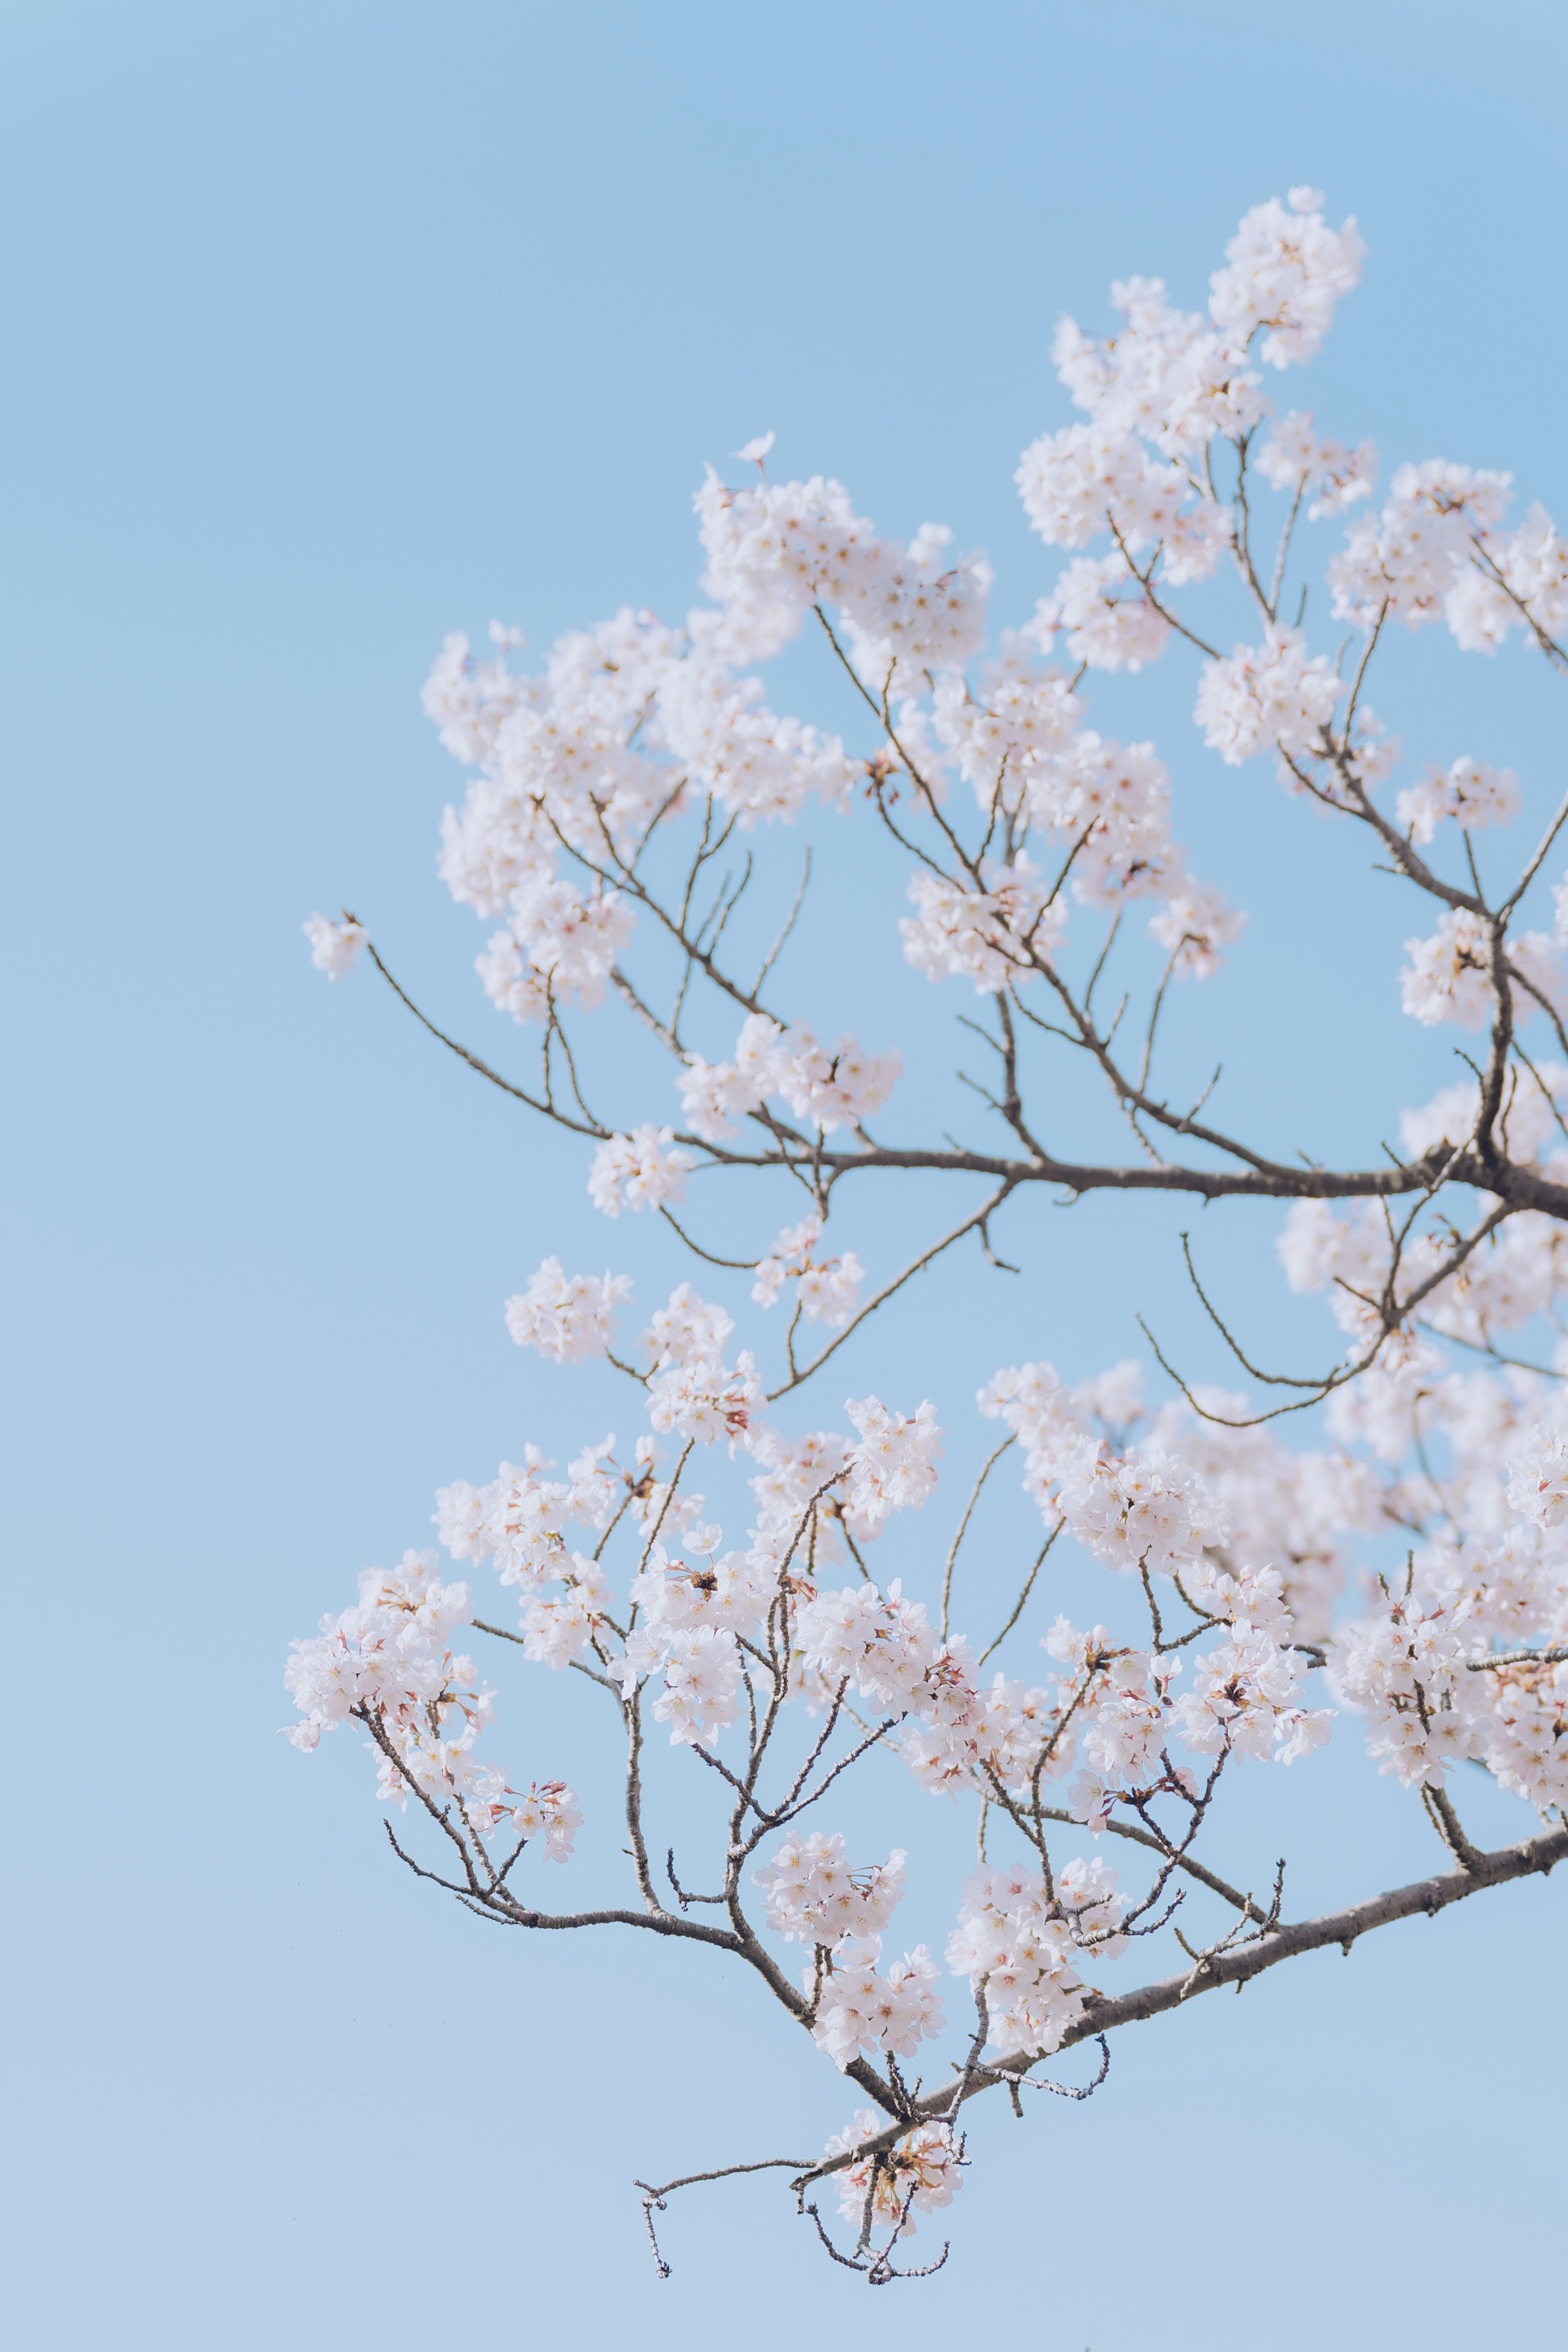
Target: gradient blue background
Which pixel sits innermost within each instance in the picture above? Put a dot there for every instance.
(331, 327)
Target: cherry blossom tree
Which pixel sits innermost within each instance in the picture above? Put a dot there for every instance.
(1404, 1581)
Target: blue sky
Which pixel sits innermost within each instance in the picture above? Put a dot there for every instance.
(335, 326)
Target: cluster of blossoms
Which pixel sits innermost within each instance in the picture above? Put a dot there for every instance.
(828, 1090)
(1024, 1946)
(645, 1169)
(629, 722)
(388, 1663)
(334, 947)
(1437, 1671)
(827, 1289)
(920, 2174)
(1233, 1552)
(566, 1317)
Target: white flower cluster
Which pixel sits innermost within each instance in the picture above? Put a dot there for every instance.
(1294, 1509)
(1449, 975)
(566, 1317)
(1284, 270)
(705, 1400)
(1403, 1670)
(1107, 804)
(333, 946)
(1175, 381)
(689, 1330)
(1105, 613)
(826, 1289)
(517, 1522)
(992, 936)
(1527, 1117)
(1266, 697)
(776, 550)
(1026, 1948)
(828, 1089)
(920, 2173)
(1513, 581)
(881, 1644)
(388, 1662)
(861, 2009)
(1407, 562)
(645, 1169)
(815, 1896)
(1295, 458)
(894, 1467)
(557, 949)
(1470, 793)
(1137, 1510)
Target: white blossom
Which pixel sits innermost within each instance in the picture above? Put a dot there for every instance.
(568, 1317)
(1285, 269)
(689, 1330)
(827, 1286)
(1470, 793)
(816, 1897)
(333, 946)
(1271, 695)
(1294, 458)
(641, 1171)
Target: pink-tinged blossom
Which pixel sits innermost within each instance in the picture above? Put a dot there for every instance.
(1245, 1700)
(1273, 695)
(689, 1330)
(1449, 977)
(1024, 715)
(1470, 793)
(1194, 926)
(1137, 1509)
(558, 1627)
(1166, 374)
(883, 1645)
(1086, 479)
(861, 2009)
(1285, 270)
(816, 1897)
(920, 2173)
(1450, 1118)
(643, 1170)
(573, 942)
(1025, 1946)
(992, 936)
(566, 1317)
(913, 613)
(832, 1088)
(549, 1810)
(758, 766)
(894, 1467)
(388, 1661)
(1295, 458)
(706, 1401)
(333, 946)
(1517, 582)
(1110, 802)
(1403, 1669)
(731, 1594)
(512, 984)
(827, 1286)
(701, 1677)
(1402, 563)
(1105, 616)
(1538, 1479)
(974, 1739)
